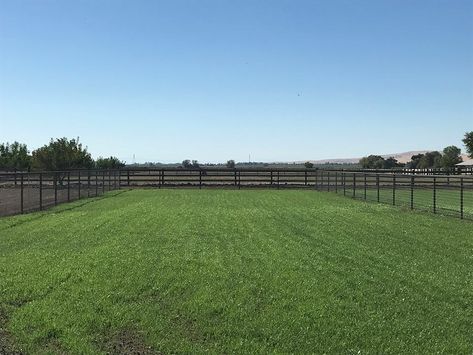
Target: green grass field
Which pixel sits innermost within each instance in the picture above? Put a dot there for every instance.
(226, 271)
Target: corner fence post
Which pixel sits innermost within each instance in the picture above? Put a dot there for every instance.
(68, 186)
(412, 192)
(394, 190)
(40, 191)
(21, 192)
(435, 195)
(461, 198)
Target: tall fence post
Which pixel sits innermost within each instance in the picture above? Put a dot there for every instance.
(305, 178)
(412, 192)
(354, 185)
(235, 182)
(68, 186)
(200, 179)
(22, 199)
(394, 190)
(128, 177)
(55, 188)
(336, 182)
(377, 186)
(461, 197)
(40, 191)
(344, 175)
(435, 195)
(239, 180)
(162, 177)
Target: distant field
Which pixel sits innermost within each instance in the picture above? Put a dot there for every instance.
(228, 271)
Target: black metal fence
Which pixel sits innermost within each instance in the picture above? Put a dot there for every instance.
(22, 192)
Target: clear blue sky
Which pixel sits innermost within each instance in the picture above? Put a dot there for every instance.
(217, 80)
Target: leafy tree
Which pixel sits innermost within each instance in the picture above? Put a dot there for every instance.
(430, 160)
(195, 164)
(109, 163)
(415, 160)
(468, 141)
(391, 163)
(451, 157)
(186, 164)
(14, 156)
(372, 162)
(231, 163)
(308, 165)
(62, 154)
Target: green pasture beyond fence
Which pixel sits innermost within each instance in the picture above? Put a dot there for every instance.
(22, 192)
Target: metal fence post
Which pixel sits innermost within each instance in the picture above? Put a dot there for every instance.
(435, 195)
(21, 192)
(461, 198)
(336, 182)
(394, 190)
(354, 185)
(40, 191)
(412, 192)
(344, 184)
(55, 188)
(377, 186)
(68, 186)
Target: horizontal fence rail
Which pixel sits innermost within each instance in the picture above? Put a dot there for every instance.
(451, 194)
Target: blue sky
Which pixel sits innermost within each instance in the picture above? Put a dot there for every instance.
(217, 80)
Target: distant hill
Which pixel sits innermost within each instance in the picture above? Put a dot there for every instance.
(401, 157)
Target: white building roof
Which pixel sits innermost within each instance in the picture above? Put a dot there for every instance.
(466, 163)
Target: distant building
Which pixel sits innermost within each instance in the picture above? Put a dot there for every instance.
(466, 163)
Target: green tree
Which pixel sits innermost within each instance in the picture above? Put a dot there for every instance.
(430, 160)
(451, 157)
(468, 142)
(391, 163)
(14, 156)
(415, 161)
(308, 165)
(62, 154)
(231, 164)
(109, 163)
(372, 162)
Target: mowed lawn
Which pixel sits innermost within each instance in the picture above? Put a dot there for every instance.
(222, 271)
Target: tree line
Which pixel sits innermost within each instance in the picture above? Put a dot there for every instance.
(447, 159)
(58, 154)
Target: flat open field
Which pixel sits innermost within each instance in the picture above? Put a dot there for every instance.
(228, 271)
